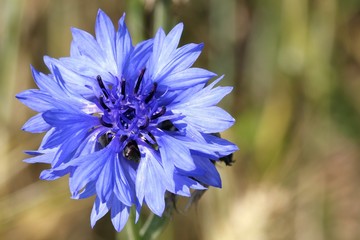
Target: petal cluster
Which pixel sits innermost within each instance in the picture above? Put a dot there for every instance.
(128, 123)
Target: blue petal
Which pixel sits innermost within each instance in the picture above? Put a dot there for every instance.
(53, 174)
(67, 149)
(167, 59)
(152, 66)
(122, 180)
(170, 44)
(174, 151)
(65, 93)
(60, 118)
(57, 136)
(183, 185)
(185, 56)
(41, 101)
(150, 181)
(182, 59)
(81, 142)
(138, 210)
(36, 124)
(88, 145)
(208, 119)
(88, 191)
(136, 63)
(119, 214)
(72, 79)
(123, 45)
(211, 176)
(89, 47)
(105, 181)
(45, 139)
(36, 100)
(88, 168)
(70, 142)
(74, 50)
(41, 157)
(45, 82)
(88, 69)
(141, 53)
(185, 79)
(176, 97)
(206, 144)
(167, 158)
(222, 146)
(205, 97)
(99, 210)
(105, 36)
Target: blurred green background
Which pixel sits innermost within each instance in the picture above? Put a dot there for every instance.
(295, 68)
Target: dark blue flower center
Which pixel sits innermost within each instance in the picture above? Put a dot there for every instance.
(126, 115)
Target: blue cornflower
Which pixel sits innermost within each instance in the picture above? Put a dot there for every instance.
(128, 123)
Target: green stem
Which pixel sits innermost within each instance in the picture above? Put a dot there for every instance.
(153, 227)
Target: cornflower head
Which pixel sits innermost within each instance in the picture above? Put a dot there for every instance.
(128, 123)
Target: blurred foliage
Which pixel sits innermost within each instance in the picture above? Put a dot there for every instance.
(295, 68)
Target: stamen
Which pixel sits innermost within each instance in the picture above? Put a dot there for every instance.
(122, 87)
(102, 103)
(102, 86)
(140, 78)
(130, 113)
(105, 124)
(123, 138)
(151, 94)
(159, 113)
(124, 122)
(146, 124)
